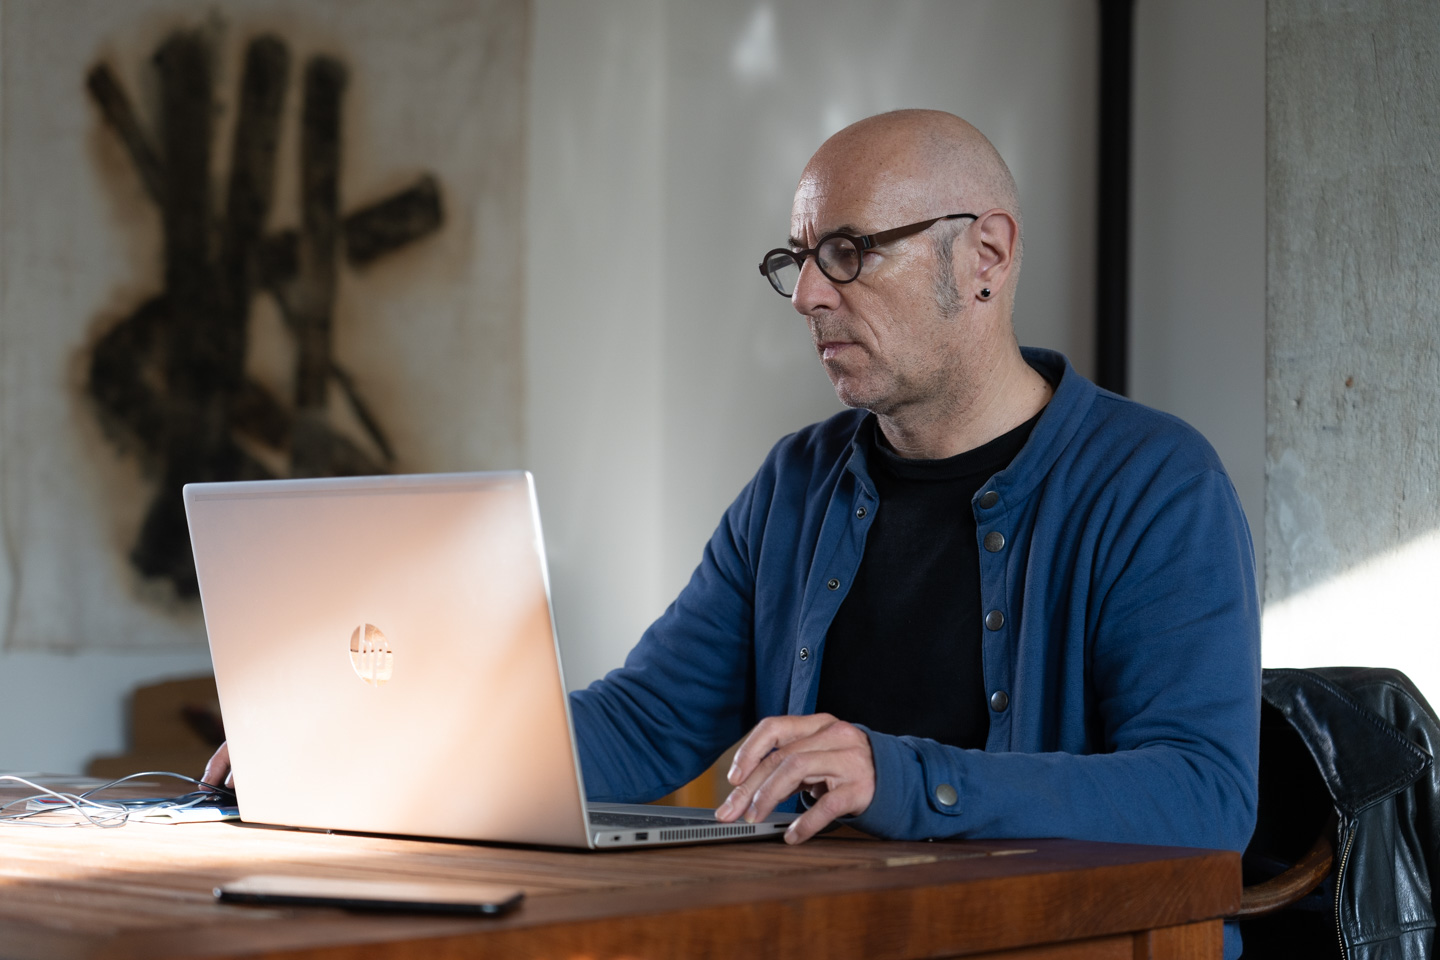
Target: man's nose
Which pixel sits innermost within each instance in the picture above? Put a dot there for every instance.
(813, 290)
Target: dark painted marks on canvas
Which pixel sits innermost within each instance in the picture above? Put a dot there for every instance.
(169, 379)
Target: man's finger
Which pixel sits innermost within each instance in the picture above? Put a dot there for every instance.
(830, 807)
(829, 754)
(759, 772)
(833, 769)
(217, 770)
(780, 776)
(738, 802)
(836, 766)
(743, 800)
(771, 734)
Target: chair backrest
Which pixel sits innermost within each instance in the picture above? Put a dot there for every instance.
(1345, 751)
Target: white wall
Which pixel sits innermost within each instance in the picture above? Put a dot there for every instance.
(754, 88)
(666, 140)
(57, 711)
(593, 317)
(1197, 265)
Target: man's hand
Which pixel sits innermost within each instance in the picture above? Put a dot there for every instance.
(219, 768)
(827, 758)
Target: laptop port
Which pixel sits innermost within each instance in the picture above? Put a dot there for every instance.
(643, 835)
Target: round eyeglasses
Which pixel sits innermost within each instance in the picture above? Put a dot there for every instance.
(838, 254)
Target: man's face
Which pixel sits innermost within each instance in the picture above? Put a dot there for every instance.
(883, 339)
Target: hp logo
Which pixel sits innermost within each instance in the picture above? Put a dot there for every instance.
(370, 654)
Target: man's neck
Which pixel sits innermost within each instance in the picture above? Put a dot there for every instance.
(995, 404)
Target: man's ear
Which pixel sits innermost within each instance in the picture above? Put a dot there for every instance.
(998, 239)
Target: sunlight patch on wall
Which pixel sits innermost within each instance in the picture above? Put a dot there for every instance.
(1383, 613)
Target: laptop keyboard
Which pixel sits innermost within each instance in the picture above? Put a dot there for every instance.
(641, 821)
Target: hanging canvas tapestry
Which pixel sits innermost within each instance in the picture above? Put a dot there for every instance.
(279, 240)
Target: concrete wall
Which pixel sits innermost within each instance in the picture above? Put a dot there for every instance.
(1353, 331)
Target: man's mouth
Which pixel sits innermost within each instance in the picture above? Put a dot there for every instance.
(830, 349)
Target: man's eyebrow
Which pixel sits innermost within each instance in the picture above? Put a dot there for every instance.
(843, 228)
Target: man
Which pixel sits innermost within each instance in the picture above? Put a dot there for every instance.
(990, 601)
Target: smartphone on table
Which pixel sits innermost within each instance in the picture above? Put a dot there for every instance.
(390, 896)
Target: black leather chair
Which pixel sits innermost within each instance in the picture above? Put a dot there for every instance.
(1345, 765)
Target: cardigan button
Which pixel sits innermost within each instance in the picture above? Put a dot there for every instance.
(946, 795)
(989, 498)
(994, 620)
(860, 513)
(804, 653)
(833, 584)
(994, 541)
(999, 700)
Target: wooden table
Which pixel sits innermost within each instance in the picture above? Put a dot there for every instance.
(143, 891)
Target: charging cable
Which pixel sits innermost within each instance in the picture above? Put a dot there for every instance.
(39, 809)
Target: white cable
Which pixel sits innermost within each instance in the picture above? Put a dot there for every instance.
(100, 813)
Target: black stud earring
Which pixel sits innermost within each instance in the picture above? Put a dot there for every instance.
(984, 293)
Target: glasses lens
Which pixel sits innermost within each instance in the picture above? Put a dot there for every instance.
(840, 259)
(783, 270)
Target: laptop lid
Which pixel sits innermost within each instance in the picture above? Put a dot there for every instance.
(385, 655)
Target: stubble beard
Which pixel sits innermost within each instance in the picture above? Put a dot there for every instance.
(897, 390)
(945, 290)
(884, 392)
(843, 377)
(893, 396)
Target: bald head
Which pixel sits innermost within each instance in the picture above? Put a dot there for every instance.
(946, 159)
(916, 164)
(921, 333)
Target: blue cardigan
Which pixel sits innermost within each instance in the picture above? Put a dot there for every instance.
(1122, 625)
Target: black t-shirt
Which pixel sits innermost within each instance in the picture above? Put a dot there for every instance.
(903, 653)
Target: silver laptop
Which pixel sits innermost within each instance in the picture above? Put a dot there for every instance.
(385, 653)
